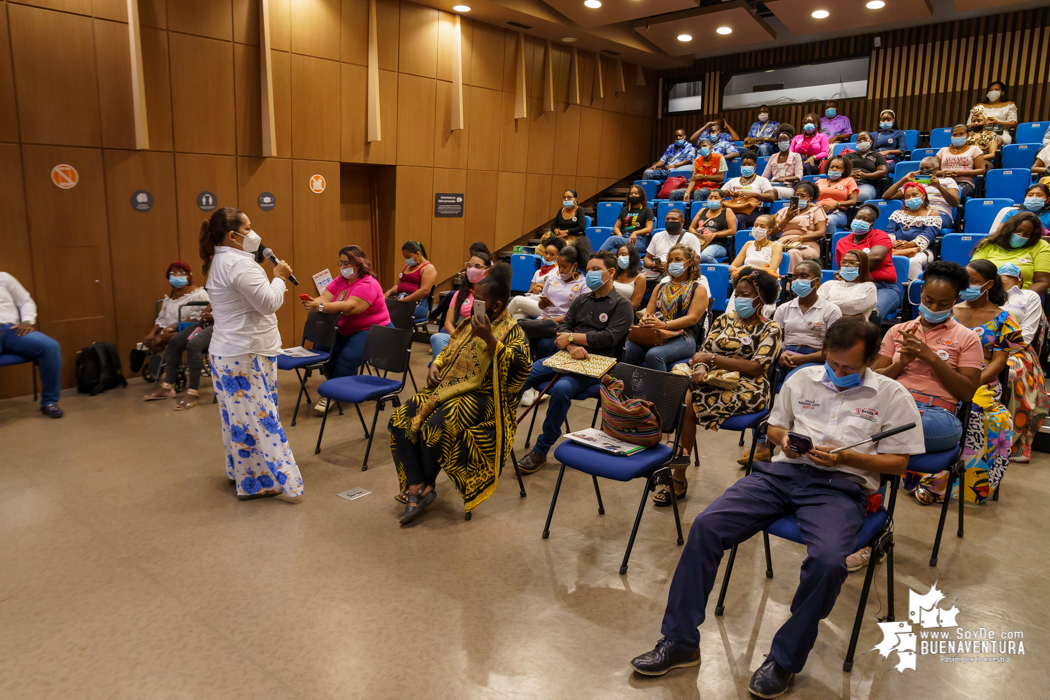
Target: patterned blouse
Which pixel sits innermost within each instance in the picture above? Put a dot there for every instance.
(921, 230)
(1002, 333)
(674, 298)
(730, 336)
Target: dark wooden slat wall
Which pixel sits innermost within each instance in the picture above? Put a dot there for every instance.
(930, 76)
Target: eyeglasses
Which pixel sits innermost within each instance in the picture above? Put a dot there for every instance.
(344, 265)
(476, 266)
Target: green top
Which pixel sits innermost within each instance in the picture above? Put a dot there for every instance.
(1031, 260)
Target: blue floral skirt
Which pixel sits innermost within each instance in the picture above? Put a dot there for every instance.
(258, 456)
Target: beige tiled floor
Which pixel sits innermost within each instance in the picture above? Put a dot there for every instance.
(129, 570)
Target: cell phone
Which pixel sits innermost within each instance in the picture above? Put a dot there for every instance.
(799, 443)
(479, 307)
(305, 297)
(793, 203)
(923, 179)
(658, 261)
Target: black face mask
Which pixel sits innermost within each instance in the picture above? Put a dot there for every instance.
(673, 227)
(976, 127)
(634, 199)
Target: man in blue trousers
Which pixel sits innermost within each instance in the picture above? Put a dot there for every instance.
(18, 336)
(839, 403)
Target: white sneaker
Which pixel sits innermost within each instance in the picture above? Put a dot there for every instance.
(321, 405)
(858, 560)
(529, 397)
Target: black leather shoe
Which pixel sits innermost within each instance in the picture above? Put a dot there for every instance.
(532, 462)
(416, 505)
(52, 410)
(770, 680)
(666, 656)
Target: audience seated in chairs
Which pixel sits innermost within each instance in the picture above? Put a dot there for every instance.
(1000, 113)
(183, 291)
(1026, 396)
(357, 297)
(869, 167)
(19, 337)
(890, 141)
(472, 388)
(943, 192)
(784, 168)
(761, 253)
(982, 136)
(634, 224)
(737, 354)
(679, 154)
(528, 305)
(569, 222)
(852, 289)
(630, 280)
(595, 323)
(811, 145)
(961, 161)
(1036, 200)
(194, 341)
(876, 245)
(1019, 241)
(709, 172)
(805, 321)
(828, 493)
(914, 228)
(477, 267)
(709, 230)
(833, 125)
(416, 280)
(674, 233)
(671, 320)
(720, 138)
(799, 229)
(761, 137)
(745, 195)
(837, 192)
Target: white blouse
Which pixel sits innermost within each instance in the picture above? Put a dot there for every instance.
(244, 303)
(853, 298)
(1027, 309)
(758, 257)
(169, 308)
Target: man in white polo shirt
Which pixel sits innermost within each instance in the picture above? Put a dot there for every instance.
(837, 404)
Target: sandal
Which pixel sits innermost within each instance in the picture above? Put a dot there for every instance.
(927, 496)
(160, 393)
(187, 402)
(662, 499)
(417, 503)
(402, 497)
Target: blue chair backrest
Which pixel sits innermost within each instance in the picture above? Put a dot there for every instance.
(785, 264)
(682, 170)
(664, 207)
(718, 279)
(607, 213)
(886, 207)
(941, 138)
(811, 178)
(743, 235)
(826, 276)
(900, 264)
(958, 247)
(778, 204)
(522, 267)
(915, 292)
(1031, 132)
(1020, 155)
(903, 168)
(733, 168)
(853, 138)
(598, 235)
(651, 187)
(920, 153)
(1008, 183)
(760, 165)
(839, 235)
(980, 213)
(840, 147)
(911, 139)
(587, 220)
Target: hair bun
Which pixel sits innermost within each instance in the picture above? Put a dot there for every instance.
(501, 272)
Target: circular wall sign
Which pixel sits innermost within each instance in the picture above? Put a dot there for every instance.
(141, 201)
(206, 201)
(65, 176)
(267, 201)
(317, 183)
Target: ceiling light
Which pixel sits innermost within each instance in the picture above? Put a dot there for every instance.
(568, 39)
(461, 8)
(593, 4)
(724, 30)
(875, 5)
(684, 37)
(820, 14)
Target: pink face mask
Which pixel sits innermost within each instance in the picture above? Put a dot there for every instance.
(474, 274)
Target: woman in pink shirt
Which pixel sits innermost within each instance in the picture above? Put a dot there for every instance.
(358, 297)
(811, 145)
(462, 300)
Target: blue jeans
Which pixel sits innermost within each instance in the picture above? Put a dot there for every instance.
(614, 242)
(940, 428)
(561, 393)
(438, 341)
(712, 254)
(830, 513)
(699, 194)
(660, 357)
(47, 353)
(865, 192)
(889, 300)
(801, 350)
(348, 351)
(659, 174)
(836, 220)
(422, 310)
(946, 221)
(763, 149)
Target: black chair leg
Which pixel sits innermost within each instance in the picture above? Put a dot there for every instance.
(340, 407)
(962, 500)
(598, 407)
(368, 448)
(944, 516)
(741, 443)
(302, 388)
(889, 579)
(364, 427)
(413, 378)
(720, 606)
(637, 520)
(517, 473)
(677, 516)
(324, 419)
(696, 456)
(769, 558)
(532, 424)
(598, 493)
(868, 575)
(554, 502)
(995, 496)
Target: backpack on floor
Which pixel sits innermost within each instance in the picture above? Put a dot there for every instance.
(98, 369)
(675, 182)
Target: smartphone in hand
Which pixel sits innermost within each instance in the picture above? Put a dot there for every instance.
(799, 443)
(479, 307)
(305, 297)
(793, 203)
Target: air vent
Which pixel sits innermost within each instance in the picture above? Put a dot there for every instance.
(519, 25)
(607, 52)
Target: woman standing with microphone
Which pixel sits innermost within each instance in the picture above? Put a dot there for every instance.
(243, 351)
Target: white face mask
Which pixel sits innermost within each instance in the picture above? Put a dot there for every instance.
(763, 117)
(863, 146)
(759, 234)
(251, 242)
(994, 95)
(346, 272)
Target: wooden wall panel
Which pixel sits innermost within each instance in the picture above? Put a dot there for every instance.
(116, 10)
(355, 207)
(542, 129)
(483, 140)
(446, 33)
(586, 187)
(246, 22)
(510, 207)
(280, 24)
(201, 17)
(566, 137)
(612, 143)
(16, 257)
(156, 76)
(615, 101)
(450, 147)
(514, 138)
(142, 244)
(388, 33)
(354, 32)
(539, 201)
(447, 247)
(355, 145)
(153, 13)
(591, 142)
(414, 216)
(82, 7)
(510, 61)
(61, 262)
(54, 69)
(282, 101)
(487, 49)
(417, 50)
(315, 28)
(416, 136)
(8, 115)
(201, 71)
(315, 108)
(316, 240)
(195, 174)
(479, 216)
(113, 58)
(247, 98)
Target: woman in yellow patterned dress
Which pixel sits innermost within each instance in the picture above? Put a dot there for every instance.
(741, 340)
(464, 421)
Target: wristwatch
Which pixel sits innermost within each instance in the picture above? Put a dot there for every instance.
(320, 307)
(570, 338)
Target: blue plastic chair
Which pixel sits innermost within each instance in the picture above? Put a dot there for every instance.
(668, 393)
(732, 168)
(920, 153)
(911, 139)
(587, 220)
(839, 235)
(853, 138)
(664, 207)
(778, 204)
(826, 276)
(914, 297)
(1031, 132)
(903, 168)
(597, 235)
(980, 213)
(718, 279)
(1007, 183)
(522, 268)
(812, 178)
(1020, 155)
(386, 350)
(838, 148)
(941, 138)
(760, 164)
(958, 247)
(886, 207)
(651, 187)
(319, 330)
(8, 359)
(900, 266)
(607, 213)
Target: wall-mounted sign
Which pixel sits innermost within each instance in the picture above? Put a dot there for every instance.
(317, 183)
(65, 176)
(448, 205)
(206, 201)
(141, 201)
(267, 201)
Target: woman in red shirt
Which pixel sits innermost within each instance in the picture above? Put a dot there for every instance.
(878, 246)
(416, 280)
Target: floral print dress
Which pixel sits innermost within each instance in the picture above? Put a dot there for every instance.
(258, 457)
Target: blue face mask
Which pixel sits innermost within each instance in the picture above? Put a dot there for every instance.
(849, 273)
(802, 288)
(783, 145)
(847, 382)
(1017, 240)
(934, 316)
(567, 203)
(713, 203)
(624, 261)
(834, 174)
(958, 141)
(1030, 203)
(178, 281)
(679, 142)
(913, 202)
(675, 269)
(971, 293)
(860, 226)
(594, 280)
(749, 170)
(830, 112)
(803, 202)
(809, 128)
(410, 261)
(744, 307)
(886, 125)
(1009, 269)
(705, 151)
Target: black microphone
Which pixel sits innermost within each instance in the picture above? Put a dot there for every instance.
(268, 254)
